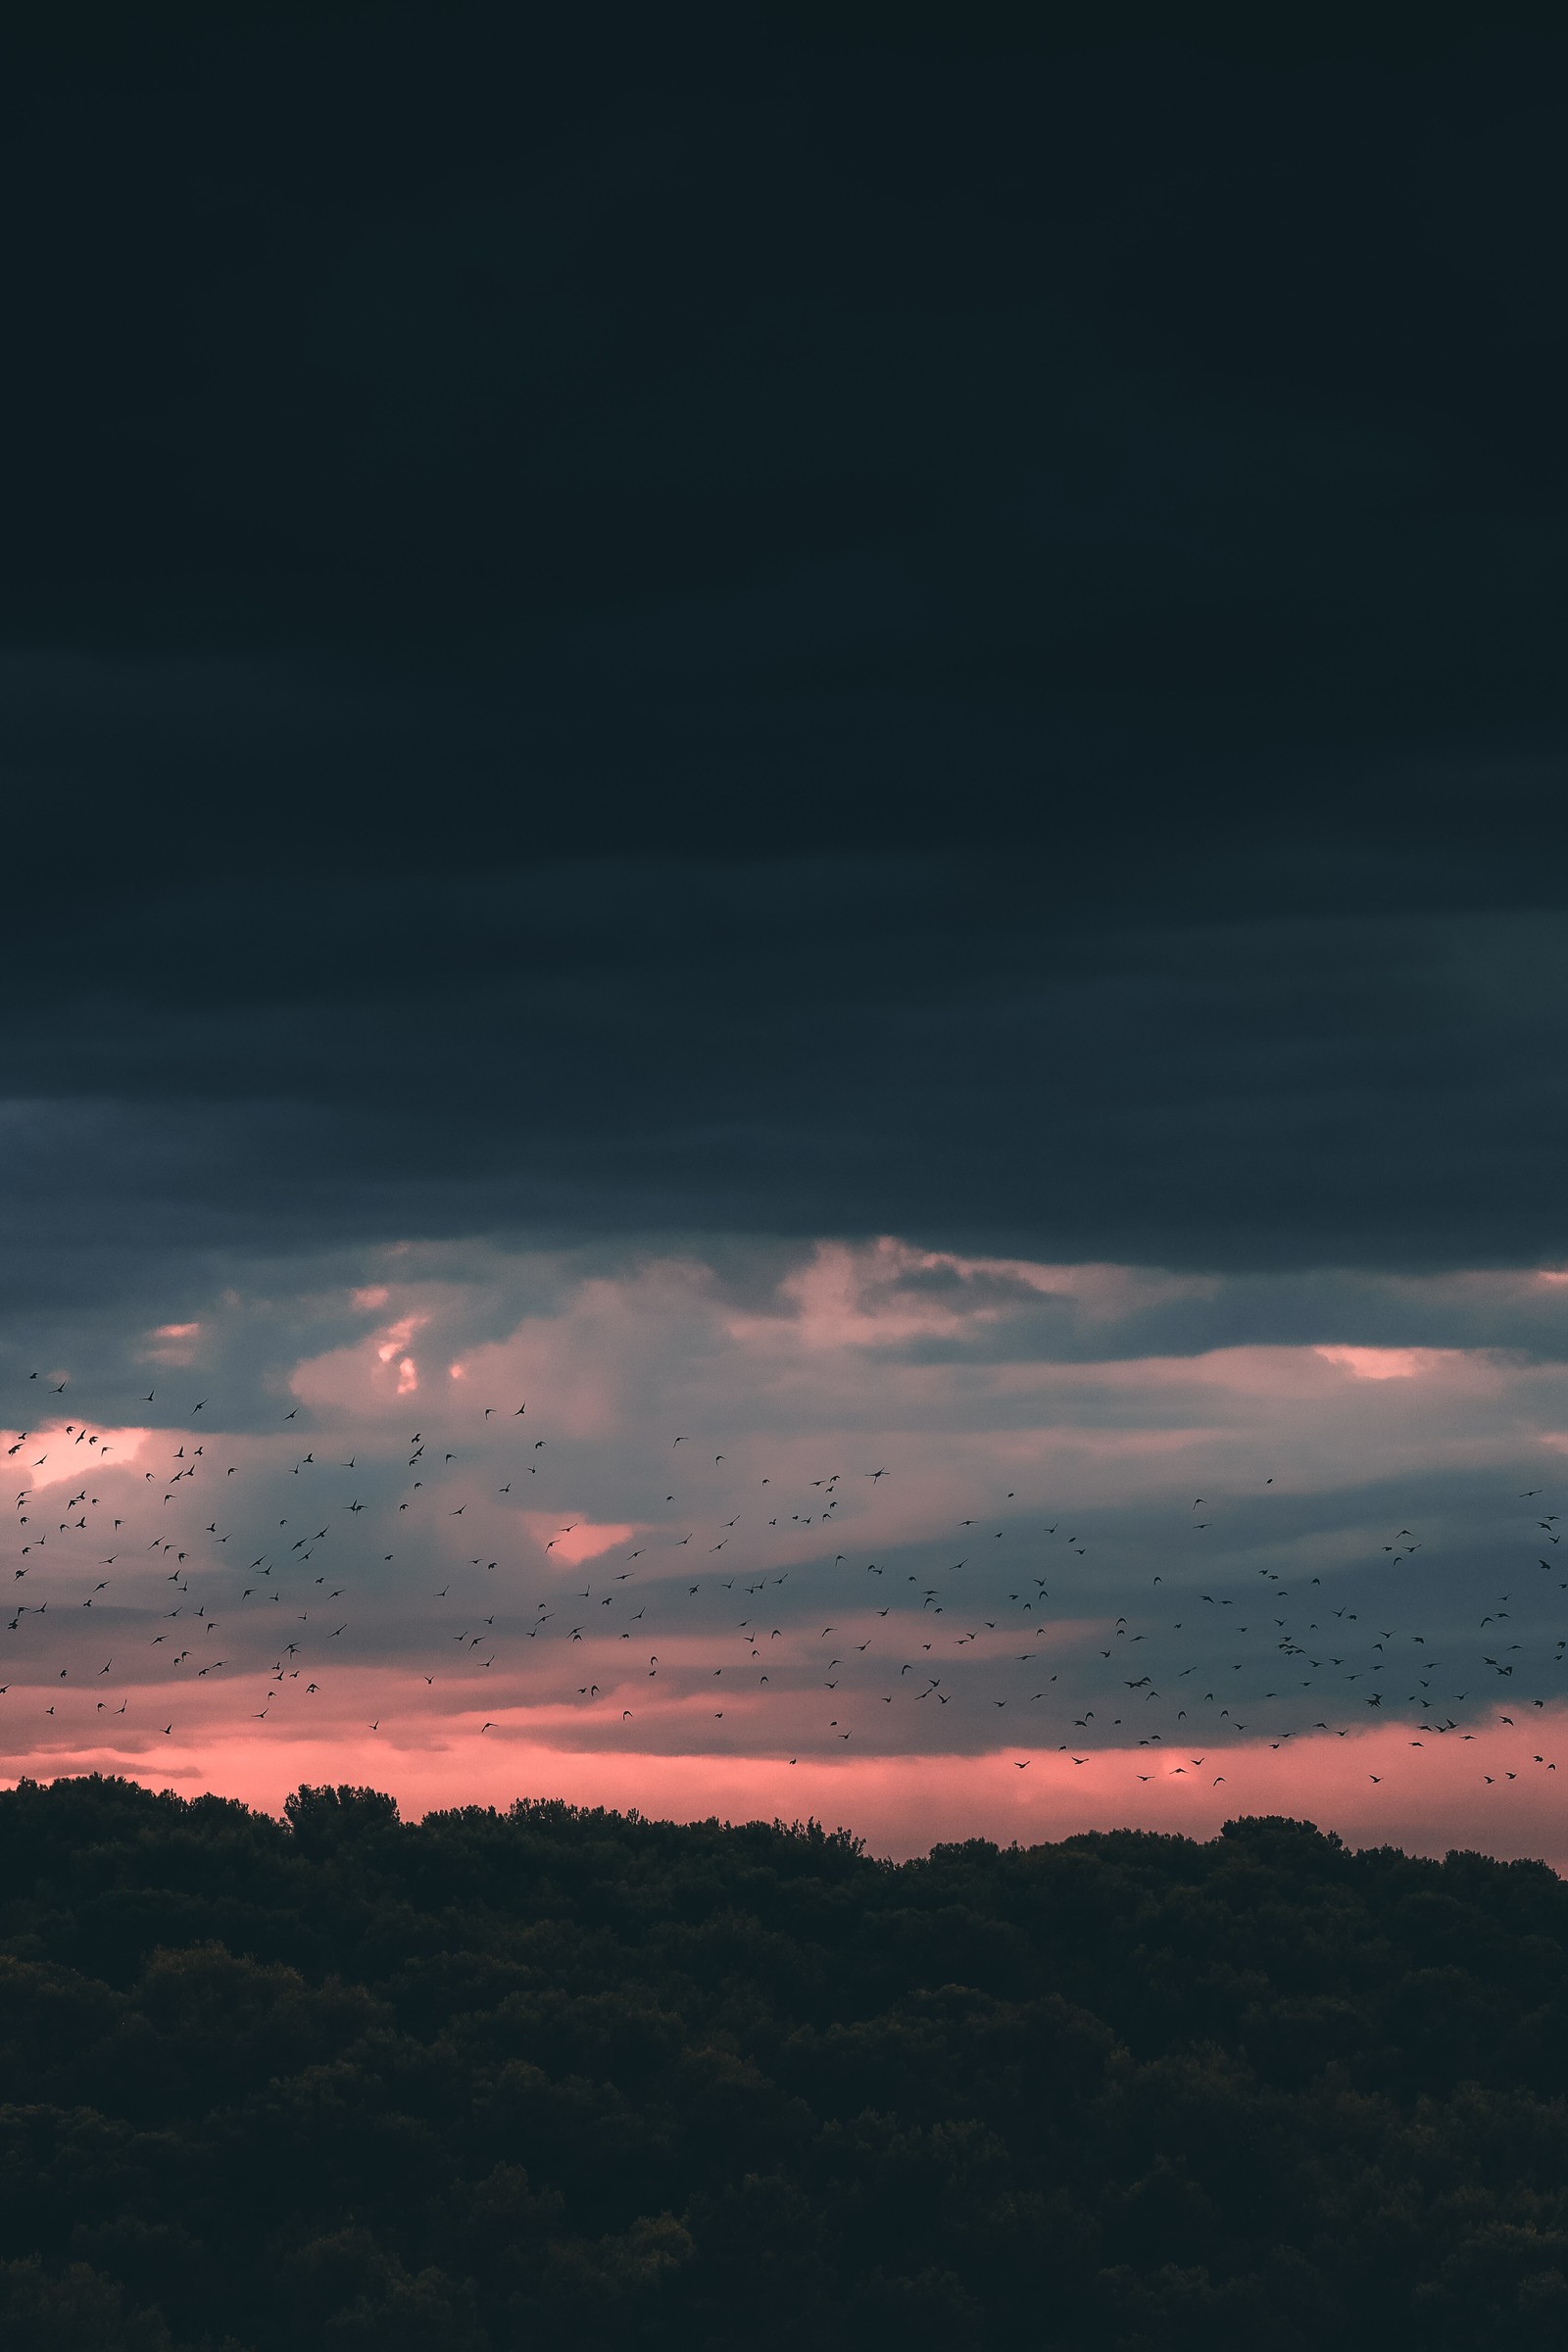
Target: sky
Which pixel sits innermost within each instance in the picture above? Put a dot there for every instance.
(831, 742)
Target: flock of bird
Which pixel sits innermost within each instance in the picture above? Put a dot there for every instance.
(155, 1574)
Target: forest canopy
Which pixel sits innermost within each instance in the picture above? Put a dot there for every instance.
(557, 2076)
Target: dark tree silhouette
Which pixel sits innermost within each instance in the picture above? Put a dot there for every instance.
(562, 2077)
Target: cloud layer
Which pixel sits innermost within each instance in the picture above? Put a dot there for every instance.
(672, 1522)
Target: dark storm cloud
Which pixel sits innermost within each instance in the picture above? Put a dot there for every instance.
(735, 624)
(796, 1050)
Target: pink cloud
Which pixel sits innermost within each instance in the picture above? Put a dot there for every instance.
(366, 1379)
(877, 1295)
(50, 1456)
(174, 1344)
(575, 1539)
(1388, 1363)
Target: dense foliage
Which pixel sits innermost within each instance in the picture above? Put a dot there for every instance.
(560, 2078)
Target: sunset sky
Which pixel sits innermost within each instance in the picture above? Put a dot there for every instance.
(835, 753)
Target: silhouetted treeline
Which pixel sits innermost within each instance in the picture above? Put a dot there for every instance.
(567, 2078)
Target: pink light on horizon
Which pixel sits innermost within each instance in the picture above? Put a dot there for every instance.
(1374, 1785)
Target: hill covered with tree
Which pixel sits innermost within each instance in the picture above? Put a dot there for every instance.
(558, 2078)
